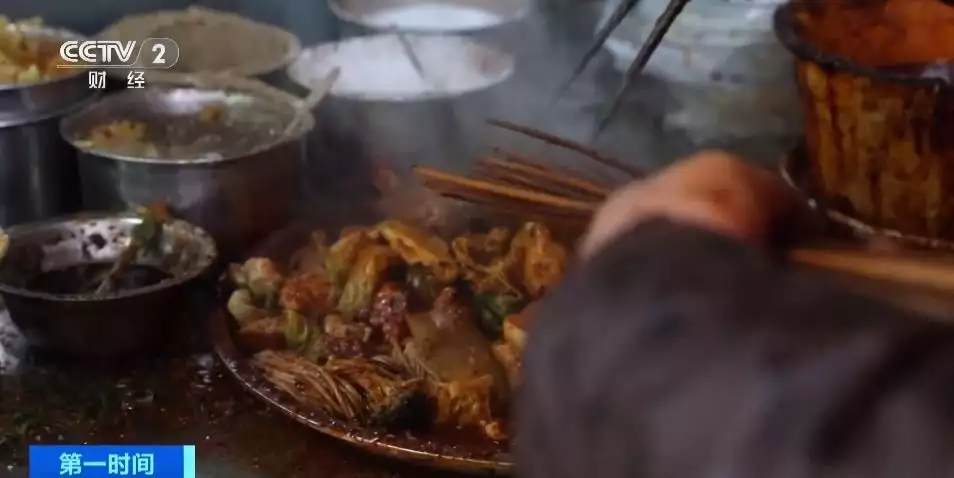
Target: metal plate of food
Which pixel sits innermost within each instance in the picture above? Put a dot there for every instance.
(391, 337)
(170, 123)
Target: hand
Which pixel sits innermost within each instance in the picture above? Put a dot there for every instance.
(711, 189)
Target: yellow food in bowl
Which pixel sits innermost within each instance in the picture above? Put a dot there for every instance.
(26, 58)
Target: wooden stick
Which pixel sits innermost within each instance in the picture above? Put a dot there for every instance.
(521, 210)
(546, 216)
(490, 173)
(432, 176)
(926, 271)
(540, 180)
(516, 162)
(570, 145)
(499, 203)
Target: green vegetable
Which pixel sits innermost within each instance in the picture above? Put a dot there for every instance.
(297, 332)
(148, 233)
(493, 309)
(314, 350)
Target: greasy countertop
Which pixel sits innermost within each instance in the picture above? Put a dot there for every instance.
(183, 397)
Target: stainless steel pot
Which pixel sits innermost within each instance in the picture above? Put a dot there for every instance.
(38, 176)
(236, 177)
(431, 127)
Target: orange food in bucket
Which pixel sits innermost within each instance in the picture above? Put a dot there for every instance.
(881, 33)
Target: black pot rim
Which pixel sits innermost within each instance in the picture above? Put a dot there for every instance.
(789, 34)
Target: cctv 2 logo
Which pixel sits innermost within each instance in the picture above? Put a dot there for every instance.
(153, 53)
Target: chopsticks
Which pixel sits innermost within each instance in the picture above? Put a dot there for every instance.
(660, 27)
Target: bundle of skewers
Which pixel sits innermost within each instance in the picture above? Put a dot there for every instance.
(514, 185)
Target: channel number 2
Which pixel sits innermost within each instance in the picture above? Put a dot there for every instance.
(159, 53)
(158, 57)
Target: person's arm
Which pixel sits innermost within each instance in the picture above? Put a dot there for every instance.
(675, 352)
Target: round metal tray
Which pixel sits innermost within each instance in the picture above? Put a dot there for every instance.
(459, 452)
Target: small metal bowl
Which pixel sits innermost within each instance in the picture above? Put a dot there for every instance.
(125, 322)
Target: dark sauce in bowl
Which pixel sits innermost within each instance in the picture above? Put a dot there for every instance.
(83, 279)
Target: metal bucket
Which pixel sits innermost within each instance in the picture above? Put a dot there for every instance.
(38, 177)
(877, 139)
(236, 178)
(362, 124)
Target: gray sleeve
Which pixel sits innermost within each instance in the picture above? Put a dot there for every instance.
(677, 353)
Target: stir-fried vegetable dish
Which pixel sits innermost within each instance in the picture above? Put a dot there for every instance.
(394, 326)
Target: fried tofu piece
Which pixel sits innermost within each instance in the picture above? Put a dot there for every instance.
(264, 334)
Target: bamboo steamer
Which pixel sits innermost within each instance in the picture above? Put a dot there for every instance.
(879, 141)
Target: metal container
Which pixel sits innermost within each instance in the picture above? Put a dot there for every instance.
(877, 139)
(796, 172)
(236, 177)
(127, 321)
(38, 177)
(487, 21)
(728, 72)
(362, 123)
(211, 42)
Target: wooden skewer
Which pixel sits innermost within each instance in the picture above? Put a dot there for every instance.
(517, 162)
(917, 270)
(519, 159)
(431, 176)
(519, 181)
(569, 145)
(521, 211)
(543, 180)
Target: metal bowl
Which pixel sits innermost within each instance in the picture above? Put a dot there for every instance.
(124, 322)
(237, 178)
